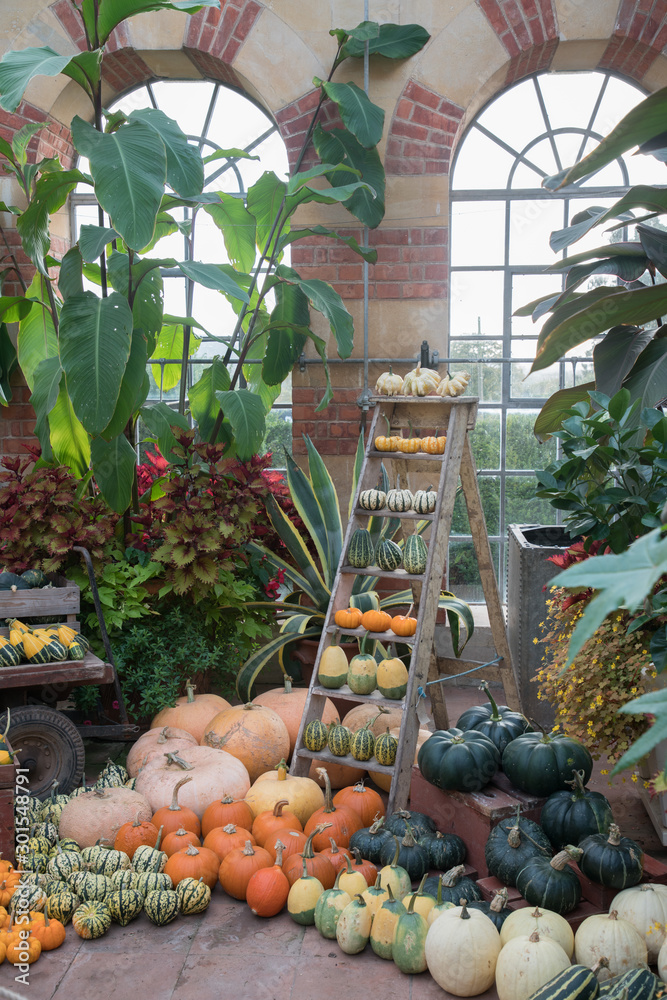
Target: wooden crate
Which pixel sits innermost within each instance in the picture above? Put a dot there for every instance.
(62, 601)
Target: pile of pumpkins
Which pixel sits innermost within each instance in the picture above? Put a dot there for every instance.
(41, 644)
(422, 382)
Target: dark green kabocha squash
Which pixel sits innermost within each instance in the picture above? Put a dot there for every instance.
(614, 861)
(458, 761)
(551, 883)
(411, 855)
(455, 886)
(445, 850)
(420, 824)
(371, 839)
(511, 844)
(568, 817)
(543, 763)
(498, 722)
(496, 909)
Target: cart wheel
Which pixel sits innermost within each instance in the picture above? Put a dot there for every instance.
(48, 744)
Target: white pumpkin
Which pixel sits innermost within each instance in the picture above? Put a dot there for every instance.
(645, 907)
(453, 385)
(420, 382)
(546, 922)
(527, 963)
(215, 773)
(605, 934)
(101, 813)
(462, 948)
(389, 384)
(662, 960)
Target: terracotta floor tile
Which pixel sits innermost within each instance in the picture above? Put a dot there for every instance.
(234, 927)
(45, 974)
(215, 975)
(102, 974)
(141, 934)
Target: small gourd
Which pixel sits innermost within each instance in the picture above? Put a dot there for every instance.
(375, 620)
(372, 499)
(424, 501)
(91, 920)
(410, 445)
(415, 554)
(161, 906)
(434, 444)
(394, 877)
(338, 739)
(124, 905)
(193, 895)
(360, 549)
(315, 735)
(362, 743)
(388, 441)
(332, 669)
(389, 384)
(386, 747)
(353, 929)
(453, 385)
(348, 618)
(399, 500)
(375, 895)
(420, 382)
(362, 671)
(388, 555)
(410, 935)
(392, 674)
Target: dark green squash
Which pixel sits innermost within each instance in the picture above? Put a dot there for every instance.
(498, 722)
(398, 822)
(576, 983)
(635, 984)
(411, 856)
(511, 844)
(388, 555)
(453, 886)
(551, 884)
(360, 551)
(34, 578)
(445, 849)
(458, 761)
(614, 861)
(496, 909)
(11, 581)
(370, 840)
(568, 817)
(543, 763)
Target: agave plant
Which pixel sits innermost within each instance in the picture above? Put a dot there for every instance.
(302, 612)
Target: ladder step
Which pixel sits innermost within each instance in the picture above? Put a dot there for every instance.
(406, 515)
(397, 574)
(359, 633)
(326, 757)
(345, 694)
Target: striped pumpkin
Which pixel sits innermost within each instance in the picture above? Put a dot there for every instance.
(385, 749)
(153, 882)
(9, 655)
(372, 499)
(111, 861)
(424, 501)
(91, 920)
(148, 859)
(360, 550)
(63, 864)
(124, 905)
(124, 878)
(338, 740)
(362, 744)
(61, 906)
(193, 895)
(399, 500)
(315, 735)
(388, 555)
(92, 887)
(415, 553)
(161, 906)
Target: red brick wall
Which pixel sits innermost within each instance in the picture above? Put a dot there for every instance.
(221, 32)
(521, 24)
(422, 132)
(18, 420)
(640, 35)
(335, 430)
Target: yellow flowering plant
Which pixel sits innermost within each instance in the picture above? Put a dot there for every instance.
(612, 666)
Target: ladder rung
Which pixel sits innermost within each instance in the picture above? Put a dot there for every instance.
(328, 758)
(381, 636)
(345, 694)
(398, 574)
(415, 456)
(407, 515)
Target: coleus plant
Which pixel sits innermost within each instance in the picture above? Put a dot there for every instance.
(141, 167)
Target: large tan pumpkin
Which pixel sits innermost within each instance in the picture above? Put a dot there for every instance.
(383, 781)
(191, 712)
(214, 774)
(303, 794)
(100, 814)
(155, 743)
(388, 718)
(289, 702)
(255, 735)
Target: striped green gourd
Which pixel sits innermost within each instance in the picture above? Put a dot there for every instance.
(338, 739)
(67, 844)
(388, 555)
(9, 655)
(399, 500)
(124, 878)
(52, 886)
(40, 845)
(424, 501)
(64, 863)
(576, 983)
(362, 743)
(61, 906)
(55, 650)
(315, 735)
(360, 550)
(76, 650)
(34, 861)
(110, 862)
(193, 895)
(91, 920)
(92, 887)
(414, 554)
(385, 749)
(112, 776)
(161, 906)
(372, 499)
(149, 859)
(50, 831)
(26, 898)
(635, 984)
(124, 905)
(153, 882)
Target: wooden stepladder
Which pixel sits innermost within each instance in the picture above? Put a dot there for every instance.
(456, 418)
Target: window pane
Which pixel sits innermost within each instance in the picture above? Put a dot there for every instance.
(485, 379)
(527, 288)
(523, 384)
(521, 504)
(522, 449)
(531, 224)
(476, 299)
(485, 440)
(188, 105)
(489, 491)
(482, 163)
(478, 232)
(464, 578)
(570, 97)
(518, 106)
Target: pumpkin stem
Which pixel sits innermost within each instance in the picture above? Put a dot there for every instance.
(438, 898)
(159, 838)
(463, 903)
(279, 806)
(514, 833)
(411, 905)
(308, 852)
(174, 807)
(191, 850)
(164, 735)
(420, 887)
(329, 807)
(614, 837)
(230, 828)
(453, 876)
(173, 758)
(577, 783)
(335, 849)
(409, 837)
(602, 963)
(390, 894)
(247, 850)
(499, 900)
(568, 853)
(495, 714)
(190, 689)
(378, 822)
(280, 847)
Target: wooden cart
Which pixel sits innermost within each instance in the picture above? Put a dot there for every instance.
(46, 740)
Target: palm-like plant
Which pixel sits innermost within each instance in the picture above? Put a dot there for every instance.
(302, 612)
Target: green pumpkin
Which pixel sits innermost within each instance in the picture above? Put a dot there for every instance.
(372, 499)
(399, 500)
(91, 920)
(611, 860)
(415, 554)
(568, 817)
(458, 761)
(407, 948)
(370, 840)
(498, 722)
(362, 746)
(64, 863)
(388, 555)
(551, 884)
(444, 850)
(495, 909)
(124, 905)
(193, 895)
(542, 764)
(412, 856)
(386, 747)
(360, 549)
(332, 668)
(421, 824)
(161, 906)
(453, 886)
(315, 735)
(338, 739)
(362, 671)
(34, 578)
(511, 844)
(11, 581)
(111, 861)
(576, 983)
(424, 501)
(62, 905)
(76, 650)
(153, 882)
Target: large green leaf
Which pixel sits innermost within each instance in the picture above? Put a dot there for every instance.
(93, 240)
(237, 226)
(367, 253)
(70, 276)
(615, 355)
(301, 569)
(169, 347)
(285, 342)
(18, 68)
(51, 192)
(393, 41)
(14, 308)
(245, 412)
(95, 337)
(114, 464)
(648, 378)
(147, 289)
(557, 407)
(48, 375)
(69, 440)
(105, 15)
(641, 196)
(339, 146)
(129, 169)
(643, 122)
(159, 418)
(253, 666)
(327, 301)
(617, 307)
(133, 388)
(654, 243)
(85, 68)
(364, 119)
(37, 338)
(8, 364)
(655, 704)
(185, 168)
(265, 203)
(325, 491)
(218, 276)
(310, 507)
(204, 405)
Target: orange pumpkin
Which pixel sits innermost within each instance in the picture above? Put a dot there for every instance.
(375, 620)
(178, 839)
(268, 889)
(174, 816)
(379, 717)
(136, 834)
(434, 444)
(339, 774)
(367, 868)
(342, 820)
(255, 735)
(191, 712)
(404, 624)
(293, 842)
(8, 886)
(224, 811)
(337, 855)
(193, 862)
(223, 839)
(311, 862)
(239, 866)
(348, 618)
(289, 703)
(5, 866)
(272, 820)
(367, 803)
(50, 934)
(23, 951)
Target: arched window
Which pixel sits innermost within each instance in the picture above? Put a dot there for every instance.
(216, 118)
(501, 221)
